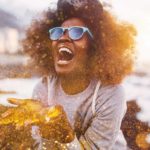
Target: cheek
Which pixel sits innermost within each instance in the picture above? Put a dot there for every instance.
(82, 47)
(53, 46)
(54, 43)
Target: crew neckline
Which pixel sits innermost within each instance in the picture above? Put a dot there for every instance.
(87, 90)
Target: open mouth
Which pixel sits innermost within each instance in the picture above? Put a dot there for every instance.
(65, 55)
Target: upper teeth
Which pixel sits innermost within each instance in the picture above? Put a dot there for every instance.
(65, 50)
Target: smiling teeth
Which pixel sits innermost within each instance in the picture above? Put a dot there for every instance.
(65, 50)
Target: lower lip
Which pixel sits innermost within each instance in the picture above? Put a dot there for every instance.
(63, 62)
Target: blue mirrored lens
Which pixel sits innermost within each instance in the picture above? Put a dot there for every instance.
(76, 33)
(56, 33)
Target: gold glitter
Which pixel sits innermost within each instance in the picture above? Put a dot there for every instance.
(16, 124)
(141, 140)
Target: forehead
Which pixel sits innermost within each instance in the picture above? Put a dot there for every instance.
(73, 22)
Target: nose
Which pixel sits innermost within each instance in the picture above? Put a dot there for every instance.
(65, 36)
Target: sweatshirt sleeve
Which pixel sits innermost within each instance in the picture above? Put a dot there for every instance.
(105, 125)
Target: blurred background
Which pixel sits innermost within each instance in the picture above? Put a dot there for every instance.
(16, 16)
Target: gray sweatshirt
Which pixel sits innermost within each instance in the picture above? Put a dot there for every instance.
(93, 131)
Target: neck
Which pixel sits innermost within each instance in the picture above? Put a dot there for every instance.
(74, 85)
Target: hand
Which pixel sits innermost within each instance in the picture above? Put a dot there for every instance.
(2, 108)
(52, 122)
(56, 125)
(27, 111)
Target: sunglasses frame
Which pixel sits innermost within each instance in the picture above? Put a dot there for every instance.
(85, 29)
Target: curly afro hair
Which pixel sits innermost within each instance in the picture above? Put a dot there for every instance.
(113, 49)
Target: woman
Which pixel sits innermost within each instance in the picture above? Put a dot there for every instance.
(83, 54)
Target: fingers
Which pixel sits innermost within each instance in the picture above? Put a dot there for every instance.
(19, 101)
(5, 117)
(6, 114)
(16, 101)
(3, 108)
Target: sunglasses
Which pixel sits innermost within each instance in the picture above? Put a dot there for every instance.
(75, 32)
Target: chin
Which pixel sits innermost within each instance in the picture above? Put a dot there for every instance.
(67, 73)
(63, 73)
(70, 71)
